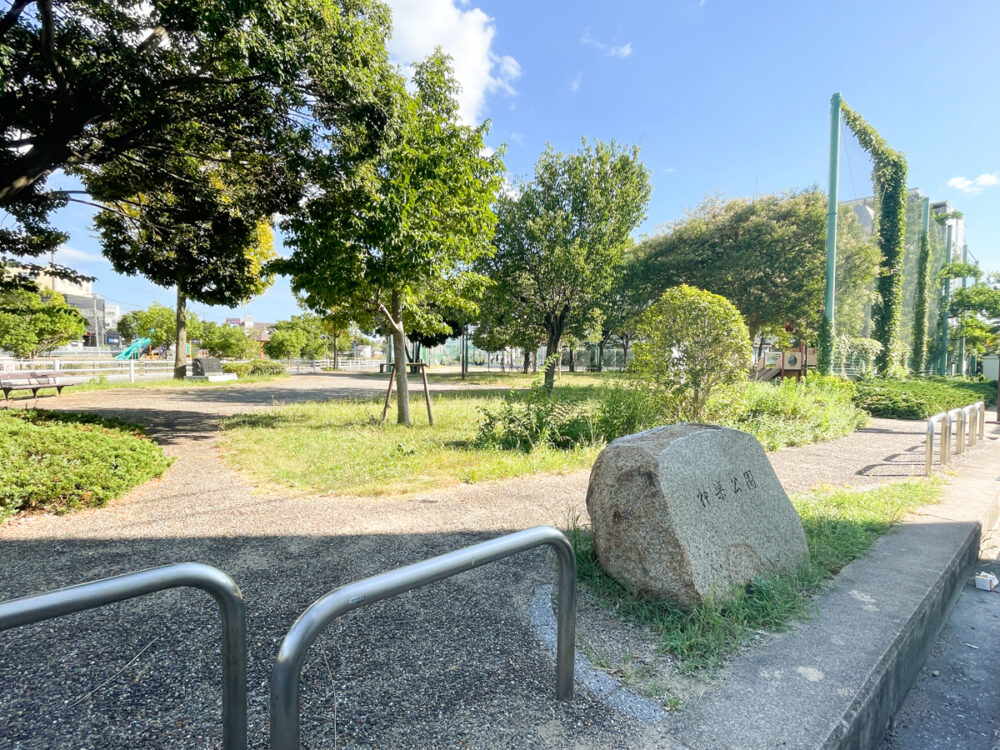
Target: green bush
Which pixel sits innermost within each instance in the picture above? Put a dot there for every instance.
(692, 343)
(795, 412)
(241, 369)
(60, 462)
(267, 367)
(920, 398)
(524, 421)
(626, 408)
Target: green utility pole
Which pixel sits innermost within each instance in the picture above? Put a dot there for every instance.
(920, 323)
(945, 302)
(828, 332)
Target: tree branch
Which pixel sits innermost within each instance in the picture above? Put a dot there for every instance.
(11, 16)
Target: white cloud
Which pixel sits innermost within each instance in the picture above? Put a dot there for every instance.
(517, 138)
(621, 50)
(70, 256)
(974, 186)
(669, 170)
(574, 85)
(418, 26)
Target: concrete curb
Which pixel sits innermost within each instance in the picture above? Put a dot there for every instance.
(836, 681)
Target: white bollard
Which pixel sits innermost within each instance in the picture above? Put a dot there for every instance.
(131, 371)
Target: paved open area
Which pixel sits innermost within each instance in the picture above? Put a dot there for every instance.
(455, 664)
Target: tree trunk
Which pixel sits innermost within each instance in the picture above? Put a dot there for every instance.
(465, 350)
(336, 350)
(399, 357)
(534, 361)
(180, 343)
(552, 356)
(625, 343)
(572, 359)
(600, 356)
(527, 361)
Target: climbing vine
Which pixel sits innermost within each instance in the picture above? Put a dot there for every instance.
(919, 359)
(889, 176)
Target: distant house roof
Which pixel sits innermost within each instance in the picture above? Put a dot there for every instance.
(261, 332)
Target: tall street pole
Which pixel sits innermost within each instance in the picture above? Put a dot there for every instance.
(829, 331)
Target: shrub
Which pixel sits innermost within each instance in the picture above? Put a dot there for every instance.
(59, 462)
(538, 418)
(693, 343)
(795, 412)
(266, 367)
(920, 398)
(627, 408)
(241, 369)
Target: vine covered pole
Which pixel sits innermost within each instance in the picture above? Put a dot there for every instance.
(945, 303)
(827, 332)
(961, 342)
(920, 309)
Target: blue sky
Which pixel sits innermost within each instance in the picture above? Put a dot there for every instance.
(723, 97)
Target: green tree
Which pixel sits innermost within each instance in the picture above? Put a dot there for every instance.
(312, 333)
(285, 343)
(622, 306)
(208, 236)
(228, 341)
(766, 255)
(34, 322)
(561, 239)
(390, 233)
(134, 87)
(692, 343)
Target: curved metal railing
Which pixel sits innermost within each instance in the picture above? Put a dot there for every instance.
(31, 609)
(287, 670)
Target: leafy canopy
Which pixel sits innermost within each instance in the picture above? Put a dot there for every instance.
(127, 90)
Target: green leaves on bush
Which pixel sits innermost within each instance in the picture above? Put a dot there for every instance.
(525, 421)
(920, 398)
(60, 462)
(257, 367)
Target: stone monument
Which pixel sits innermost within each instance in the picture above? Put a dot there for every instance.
(209, 368)
(690, 511)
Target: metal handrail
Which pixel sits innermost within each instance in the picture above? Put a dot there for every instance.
(31, 609)
(287, 670)
(945, 442)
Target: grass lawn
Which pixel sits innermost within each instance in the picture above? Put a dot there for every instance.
(341, 447)
(522, 380)
(60, 462)
(840, 526)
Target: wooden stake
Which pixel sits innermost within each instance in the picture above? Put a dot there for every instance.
(388, 393)
(427, 394)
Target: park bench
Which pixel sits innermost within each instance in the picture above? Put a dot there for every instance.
(31, 381)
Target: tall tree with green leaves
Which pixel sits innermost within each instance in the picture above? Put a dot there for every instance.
(562, 237)
(388, 234)
(136, 86)
(208, 236)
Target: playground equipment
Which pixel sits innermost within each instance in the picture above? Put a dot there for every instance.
(134, 349)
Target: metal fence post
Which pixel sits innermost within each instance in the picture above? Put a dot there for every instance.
(287, 669)
(31, 609)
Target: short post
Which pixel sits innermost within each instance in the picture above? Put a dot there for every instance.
(131, 371)
(982, 419)
(971, 413)
(958, 420)
(929, 447)
(946, 439)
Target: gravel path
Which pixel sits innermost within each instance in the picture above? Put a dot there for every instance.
(452, 665)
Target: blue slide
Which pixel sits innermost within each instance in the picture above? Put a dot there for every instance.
(135, 349)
